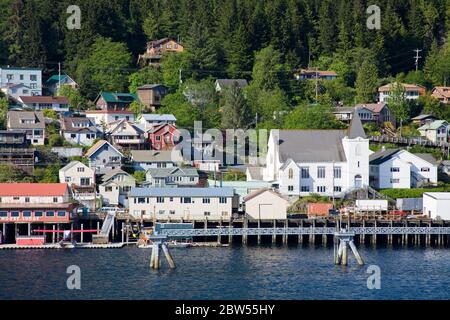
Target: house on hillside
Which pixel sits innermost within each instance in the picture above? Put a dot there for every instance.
(423, 119)
(40, 103)
(400, 169)
(103, 157)
(115, 187)
(14, 91)
(442, 94)
(378, 113)
(126, 135)
(81, 181)
(151, 120)
(308, 74)
(53, 83)
(163, 136)
(79, 130)
(30, 80)
(15, 150)
(436, 131)
(115, 101)
(157, 48)
(144, 160)
(31, 122)
(325, 162)
(172, 177)
(412, 91)
(151, 95)
(103, 117)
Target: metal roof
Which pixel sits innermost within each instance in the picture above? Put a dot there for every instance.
(159, 117)
(146, 156)
(172, 172)
(182, 192)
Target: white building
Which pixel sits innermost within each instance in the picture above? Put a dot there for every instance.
(144, 160)
(266, 204)
(103, 117)
(78, 174)
(30, 78)
(116, 186)
(183, 203)
(31, 122)
(437, 205)
(103, 157)
(39, 103)
(172, 177)
(325, 162)
(436, 131)
(400, 169)
(150, 120)
(412, 91)
(79, 130)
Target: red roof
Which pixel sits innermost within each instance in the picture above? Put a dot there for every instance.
(44, 99)
(33, 189)
(109, 112)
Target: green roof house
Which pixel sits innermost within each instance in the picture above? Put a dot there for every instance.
(52, 84)
(115, 101)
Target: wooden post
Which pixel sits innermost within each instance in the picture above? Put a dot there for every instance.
(362, 238)
(300, 235)
(3, 232)
(344, 253)
(29, 229)
(157, 262)
(113, 231)
(71, 232)
(152, 258)
(285, 236)
(53, 235)
(259, 235)
(122, 233)
(324, 236)
(168, 256)
(98, 227)
(356, 253)
(230, 237)
(274, 235)
(82, 233)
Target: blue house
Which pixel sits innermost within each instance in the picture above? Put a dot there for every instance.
(103, 157)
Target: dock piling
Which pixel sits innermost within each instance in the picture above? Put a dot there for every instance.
(345, 240)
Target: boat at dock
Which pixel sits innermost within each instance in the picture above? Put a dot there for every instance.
(170, 244)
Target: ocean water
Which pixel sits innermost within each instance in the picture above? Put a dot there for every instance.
(238, 272)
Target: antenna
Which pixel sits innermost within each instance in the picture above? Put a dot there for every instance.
(417, 57)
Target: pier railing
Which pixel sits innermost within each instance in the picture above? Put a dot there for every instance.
(301, 231)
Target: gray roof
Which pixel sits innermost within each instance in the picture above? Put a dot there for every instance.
(159, 117)
(182, 192)
(311, 145)
(172, 172)
(15, 118)
(255, 173)
(423, 117)
(146, 156)
(382, 156)
(427, 157)
(110, 174)
(356, 128)
(67, 125)
(151, 86)
(70, 165)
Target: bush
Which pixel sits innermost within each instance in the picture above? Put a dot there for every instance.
(412, 193)
(234, 175)
(55, 140)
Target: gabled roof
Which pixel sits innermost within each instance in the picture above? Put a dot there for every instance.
(428, 157)
(434, 125)
(423, 117)
(98, 145)
(117, 126)
(153, 117)
(33, 189)
(67, 125)
(112, 173)
(407, 86)
(157, 43)
(116, 97)
(172, 172)
(260, 192)
(146, 156)
(382, 156)
(56, 78)
(71, 165)
(15, 118)
(374, 107)
(182, 192)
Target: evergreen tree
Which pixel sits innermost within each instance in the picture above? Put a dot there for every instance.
(366, 82)
(235, 112)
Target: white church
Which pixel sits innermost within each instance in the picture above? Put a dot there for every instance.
(325, 162)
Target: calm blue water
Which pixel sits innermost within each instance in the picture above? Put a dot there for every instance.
(225, 273)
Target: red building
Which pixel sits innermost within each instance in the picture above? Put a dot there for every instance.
(163, 136)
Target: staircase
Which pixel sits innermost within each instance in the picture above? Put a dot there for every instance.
(103, 236)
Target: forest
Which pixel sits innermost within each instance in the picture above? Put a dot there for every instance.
(260, 40)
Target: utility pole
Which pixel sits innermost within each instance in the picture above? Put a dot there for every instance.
(417, 57)
(181, 79)
(317, 85)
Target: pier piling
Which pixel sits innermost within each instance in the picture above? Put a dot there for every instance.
(345, 240)
(168, 256)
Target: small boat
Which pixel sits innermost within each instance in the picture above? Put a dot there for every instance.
(178, 244)
(67, 245)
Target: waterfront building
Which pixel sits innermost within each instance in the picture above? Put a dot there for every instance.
(325, 162)
(103, 157)
(423, 119)
(187, 204)
(35, 203)
(115, 187)
(442, 94)
(266, 204)
(437, 205)
(31, 122)
(400, 169)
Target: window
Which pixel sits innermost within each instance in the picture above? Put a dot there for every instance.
(61, 214)
(55, 199)
(159, 199)
(21, 77)
(26, 214)
(321, 172)
(291, 173)
(337, 172)
(304, 189)
(16, 198)
(172, 212)
(81, 169)
(337, 189)
(207, 213)
(140, 200)
(162, 212)
(171, 199)
(38, 214)
(290, 188)
(187, 200)
(222, 200)
(33, 77)
(395, 169)
(50, 214)
(67, 179)
(425, 169)
(27, 199)
(206, 200)
(14, 214)
(395, 180)
(305, 173)
(108, 189)
(321, 189)
(3, 214)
